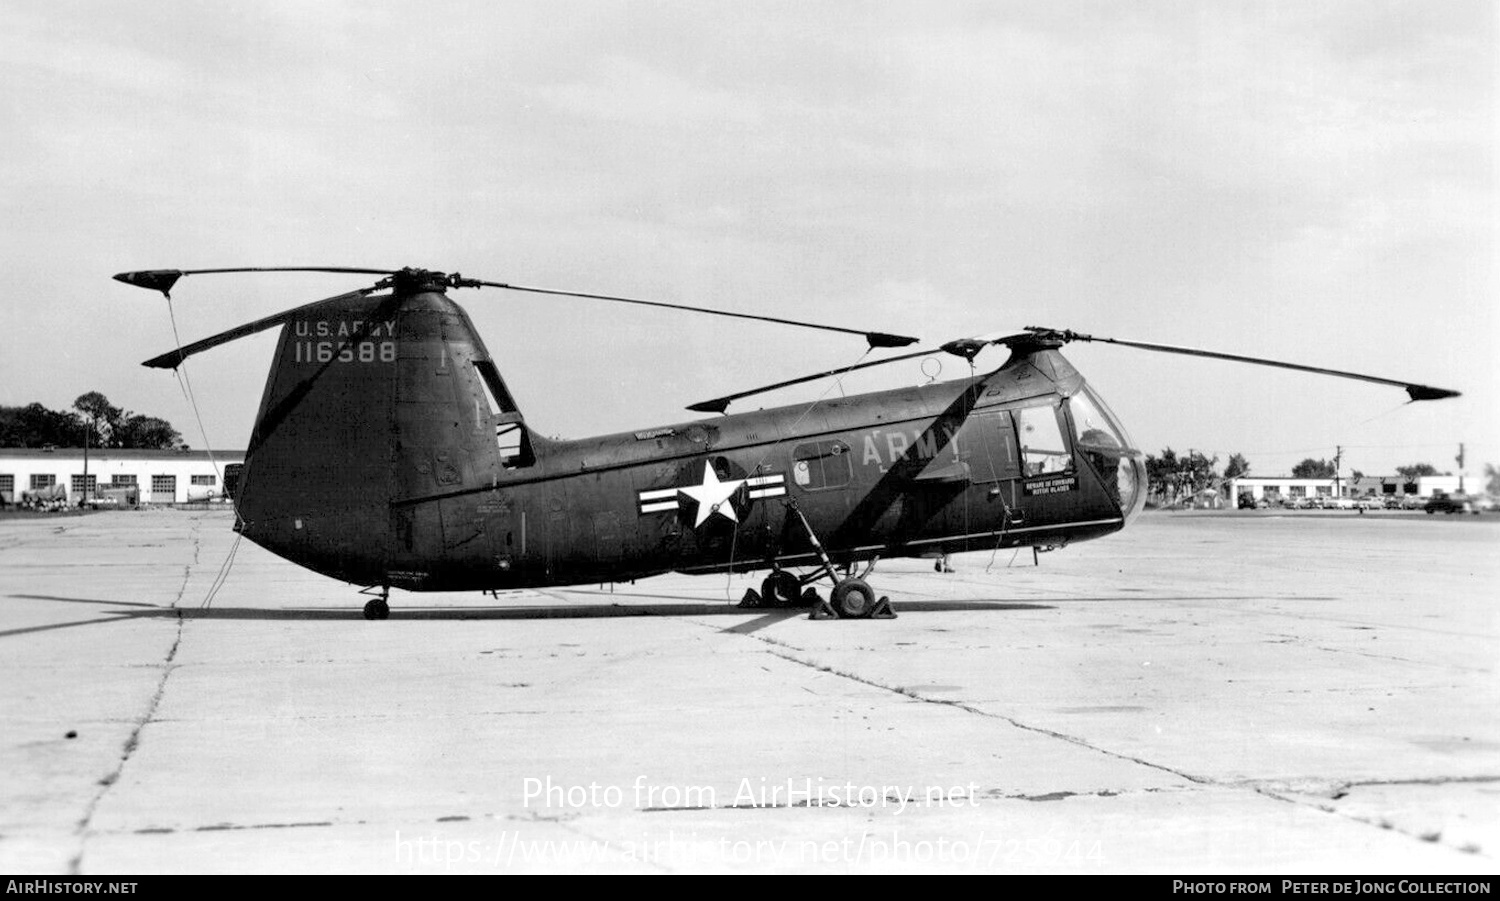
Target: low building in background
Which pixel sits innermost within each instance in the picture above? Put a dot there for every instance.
(1285, 488)
(157, 476)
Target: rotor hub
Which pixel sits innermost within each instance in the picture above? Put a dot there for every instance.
(418, 281)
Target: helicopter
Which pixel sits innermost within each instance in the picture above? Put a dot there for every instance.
(388, 452)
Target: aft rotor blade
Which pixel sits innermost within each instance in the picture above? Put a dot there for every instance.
(173, 359)
(875, 339)
(1413, 390)
(163, 279)
(720, 404)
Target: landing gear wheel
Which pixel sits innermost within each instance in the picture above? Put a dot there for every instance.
(782, 589)
(377, 609)
(852, 599)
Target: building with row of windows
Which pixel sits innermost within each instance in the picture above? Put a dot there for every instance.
(1288, 488)
(74, 475)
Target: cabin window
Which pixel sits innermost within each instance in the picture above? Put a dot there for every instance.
(1044, 449)
(205, 480)
(822, 464)
(511, 437)
(122, 481)
(40, 480)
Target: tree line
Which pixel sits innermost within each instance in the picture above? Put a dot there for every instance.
(1170, 476)
(93, 422)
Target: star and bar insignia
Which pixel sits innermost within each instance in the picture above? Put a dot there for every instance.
(712, 495)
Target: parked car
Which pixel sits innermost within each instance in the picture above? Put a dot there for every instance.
(1371, 502)
(1449, 503)
(1338, 503)
(1246, 502)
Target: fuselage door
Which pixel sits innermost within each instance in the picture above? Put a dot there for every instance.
(987, 443)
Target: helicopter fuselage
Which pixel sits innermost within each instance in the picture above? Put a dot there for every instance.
(388, 452)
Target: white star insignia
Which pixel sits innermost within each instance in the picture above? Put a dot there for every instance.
(713, 495)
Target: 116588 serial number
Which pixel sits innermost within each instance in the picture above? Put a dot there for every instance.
(328, 351)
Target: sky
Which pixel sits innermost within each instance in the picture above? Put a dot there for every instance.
(1306, 181)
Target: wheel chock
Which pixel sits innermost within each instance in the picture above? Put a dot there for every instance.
(751, 599)
(822, 610)
(883, 609)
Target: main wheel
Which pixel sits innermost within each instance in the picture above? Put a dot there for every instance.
(852, 599)
(782, 589)
(377, 609)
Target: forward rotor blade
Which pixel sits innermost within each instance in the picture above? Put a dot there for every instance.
(1413, 390)
(875, 339)
(720, 404)
(173, 359)
(968, 348)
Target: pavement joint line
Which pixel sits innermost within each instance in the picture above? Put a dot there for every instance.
(1328, 806)
(1391, 657)
(1435, 780)
(1259, 789)
(75, 865)
(908, 693)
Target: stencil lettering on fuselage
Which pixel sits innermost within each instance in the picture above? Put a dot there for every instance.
(344, 341)
(884, 447)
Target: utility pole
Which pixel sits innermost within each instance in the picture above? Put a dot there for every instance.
(1460, 459)
(1338, 454)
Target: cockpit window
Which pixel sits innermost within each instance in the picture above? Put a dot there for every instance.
(1095, 433)
(1043, 448)
(1102, 442)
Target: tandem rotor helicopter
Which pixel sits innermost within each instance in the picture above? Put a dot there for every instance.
(388, 453)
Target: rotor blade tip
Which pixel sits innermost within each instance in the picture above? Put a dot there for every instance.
(154, 279)
(169, 360)
(1424, 392)
(710, 406)
(881, 339)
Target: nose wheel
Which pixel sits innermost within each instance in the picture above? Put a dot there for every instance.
(379, 608)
